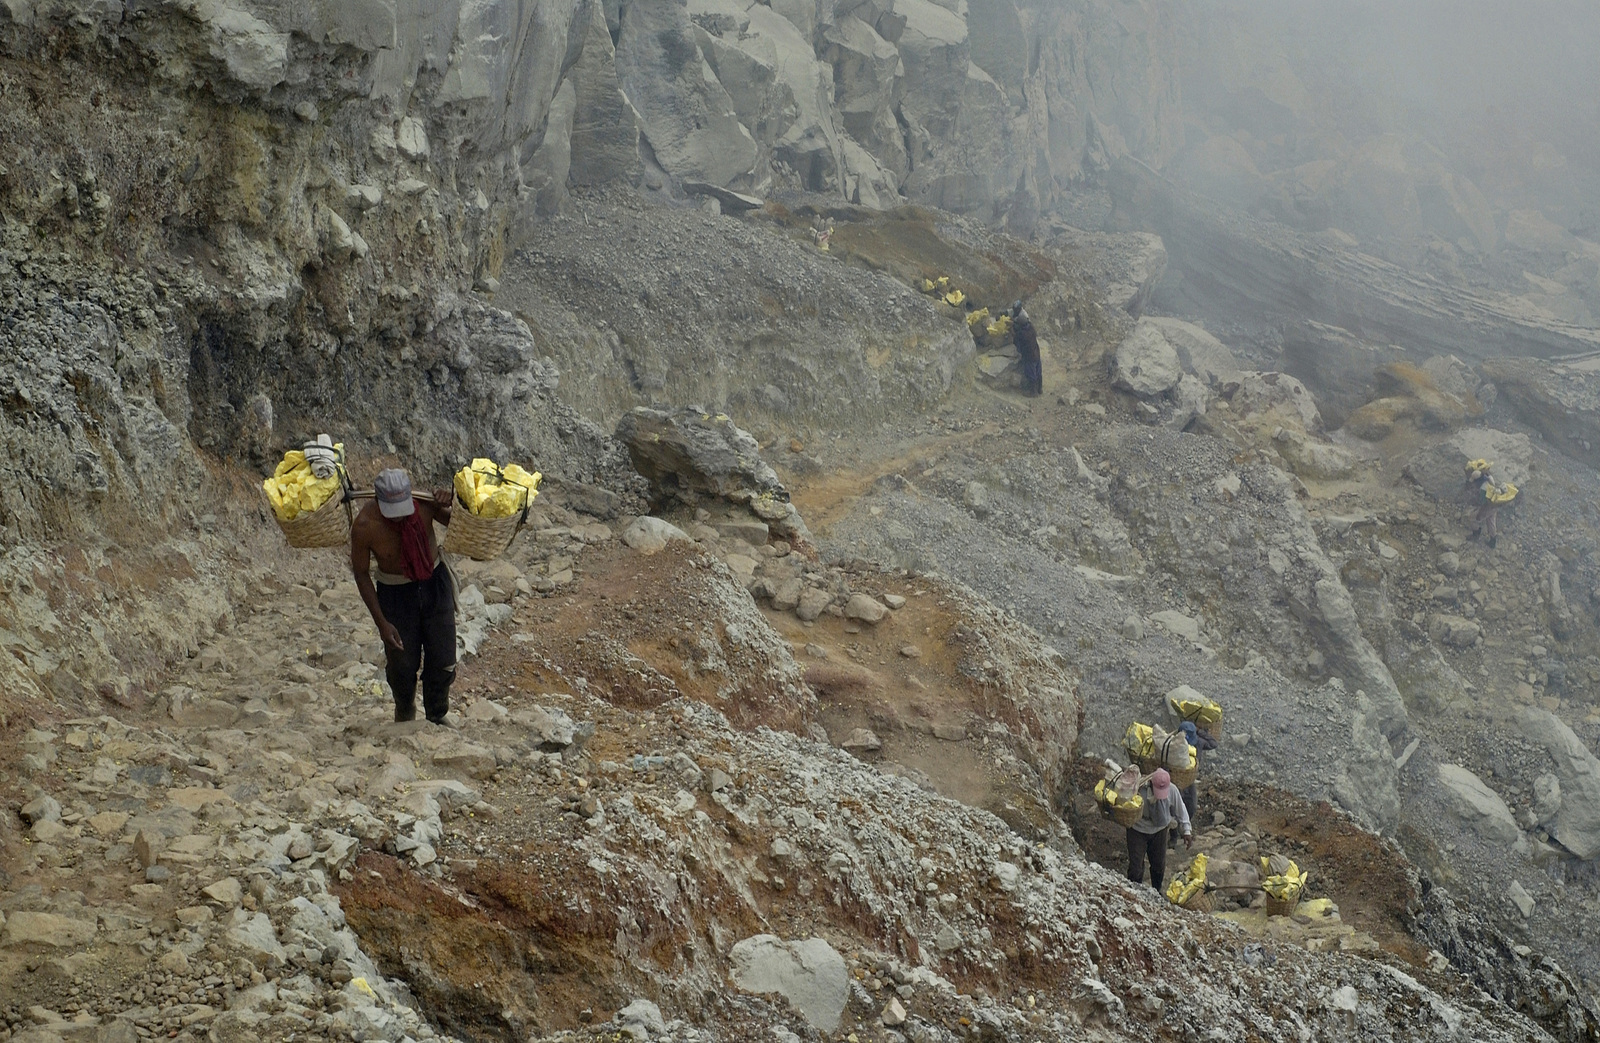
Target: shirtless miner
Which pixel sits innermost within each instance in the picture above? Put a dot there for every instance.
(414, 600)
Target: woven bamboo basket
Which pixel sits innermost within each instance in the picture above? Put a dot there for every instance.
(1201, 902)
(1183, 777)
(327, 526)
(1126, 814)
(1213, 729)
(1283, 906)
(481, 539)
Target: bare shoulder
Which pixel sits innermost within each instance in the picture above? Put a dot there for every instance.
(364, 521)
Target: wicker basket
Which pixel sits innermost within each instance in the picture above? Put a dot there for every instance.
(327, 526)
(1213, 729)
(1202, 902)
(1183, 778)
(1126, 814)
(1283, 906)
(480, 539)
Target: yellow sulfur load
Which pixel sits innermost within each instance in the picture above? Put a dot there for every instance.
(1282, 879)
(293, 490)
(955, 298)
(1140, 741)
(1191, 883)
(1000, 327)
(1481, 466)
(976, 317)
(928, 286)
(1201, 711)
(496, 492)
(1106, 794)
(1501, 494)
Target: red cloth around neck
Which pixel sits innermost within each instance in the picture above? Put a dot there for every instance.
(414, 547)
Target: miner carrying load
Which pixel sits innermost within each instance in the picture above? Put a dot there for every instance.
(1147, 838)
(413, 603)
(1486, 496)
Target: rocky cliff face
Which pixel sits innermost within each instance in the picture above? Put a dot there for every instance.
(224, 233)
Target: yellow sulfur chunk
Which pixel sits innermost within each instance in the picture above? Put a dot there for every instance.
(1191, 883)
(1000, 327)
(489, 491)
(955, 298)
(293, 459)
(294, 490)
(1204, 711)
(976, 317)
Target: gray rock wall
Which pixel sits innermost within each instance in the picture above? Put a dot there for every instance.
(993, 109)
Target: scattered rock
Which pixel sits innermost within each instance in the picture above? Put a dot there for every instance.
(649, 535)
(24, 928)
(812, 603)
(865, 608)
(863, 739)
(1478, 806)
(641, 1019)
(41, 809)
(687, 454)
(1521, 899)
(811, 975)
(1145, 363)
(256, 937)
(225, 893)
(1178, 624)
(1577, 818)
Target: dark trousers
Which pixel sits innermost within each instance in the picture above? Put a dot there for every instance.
(1191, 800)
(425, 615)
(1147, 845)
(1032, 371)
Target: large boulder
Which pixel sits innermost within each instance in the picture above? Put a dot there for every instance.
(1480, 808)
(1260, 394)
(811, 975)
(866, 73)
(1200, 354)
(688, 454)
(1577, 819)
(605, 129)
(1146, 362)
(1338, 363)
(1439, 468)
(687, 117)
(1561, 400)
(781, 92)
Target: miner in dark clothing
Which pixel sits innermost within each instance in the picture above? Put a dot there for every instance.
(413, 603)
(1027, 343)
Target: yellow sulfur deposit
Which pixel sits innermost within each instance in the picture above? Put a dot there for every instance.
(1000, 327)
(1191, 883)
(293, 490)
(1480, 465)
(955, 298)
(495, 492)
(976, 317)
